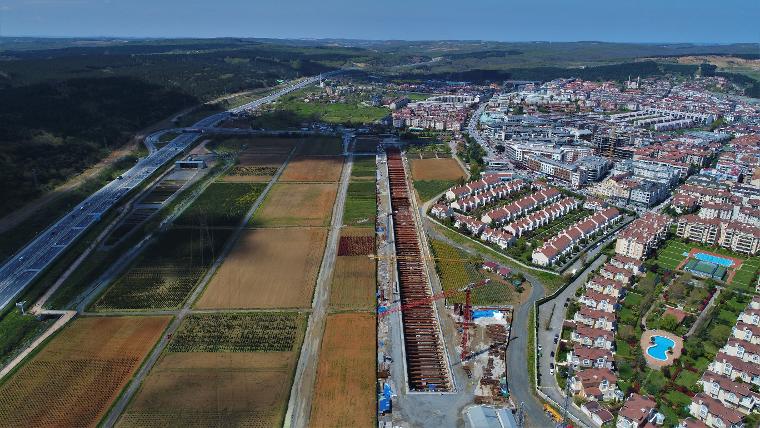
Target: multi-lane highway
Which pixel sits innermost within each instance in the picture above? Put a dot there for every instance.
(20, 270)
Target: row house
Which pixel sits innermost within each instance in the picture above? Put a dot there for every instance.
(643, 235)
(474, 226)
(441, 211)
(735, 368)
(638, 411)
(750, 315)
(593, 337)
(746, 351)
(615, 273)
(595, 384)
(500, 238)
(542, 217)
(563, 242)
(488, 182)
(732, 394)
(599, 301)
(636, 266)
(470, 203)
(521, 206)
(605, 285)
(586, 357)
(713, 413)
(748, 332)
(595, 318)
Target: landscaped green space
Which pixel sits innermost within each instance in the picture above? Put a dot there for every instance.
(361, 204)
(221, 204)
(428, 189)
(291, 111)
(15, 331)
(166, 272)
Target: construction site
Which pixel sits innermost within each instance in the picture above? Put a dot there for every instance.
(438, 360)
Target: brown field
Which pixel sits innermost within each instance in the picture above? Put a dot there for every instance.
(436, 169)
(268, 268)
(297, 205)
(353, 283)
(76, 377)
(200, 389)
(344, 395)
(320, 146)
(313, 168)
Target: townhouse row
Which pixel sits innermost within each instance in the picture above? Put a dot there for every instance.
(563, 243)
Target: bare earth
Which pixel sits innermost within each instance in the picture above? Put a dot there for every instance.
(297, 205)
(268, 268)
(436, 169)
(315, 168)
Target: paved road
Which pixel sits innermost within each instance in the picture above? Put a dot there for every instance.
(21, 269)
(552, 313)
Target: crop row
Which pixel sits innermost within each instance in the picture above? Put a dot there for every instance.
(221, 204)
(166, 272)
(356, 245)
(252, 170)
(249, 332)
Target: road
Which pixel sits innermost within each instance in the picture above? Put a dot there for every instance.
(19, 271)
(301, 393)
(552, 313)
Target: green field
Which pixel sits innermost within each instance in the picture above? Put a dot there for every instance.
(291, 111)
(671, 255)
(427, 189)
(361, 204)
(221, 204)
(166, 272)
(238, 332)
(364, 168)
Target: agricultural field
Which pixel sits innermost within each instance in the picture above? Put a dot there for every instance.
(75, 378)
(291, 204)
(221, 204)
(268, 268)
(345, 390)
(313, 168)
(456, 270)
(238, 332)
(354, 275)
(245, 383)
(249, 174)
(364, 168)
(249, 149)
(436, 169)
(361, 204)
(310, 146)
(165, 274)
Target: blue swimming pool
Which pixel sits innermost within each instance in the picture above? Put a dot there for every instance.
(714, 259)
(659, 351)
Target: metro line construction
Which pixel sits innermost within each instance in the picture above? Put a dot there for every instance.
(426, 362)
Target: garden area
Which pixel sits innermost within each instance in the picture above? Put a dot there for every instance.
(457, 269)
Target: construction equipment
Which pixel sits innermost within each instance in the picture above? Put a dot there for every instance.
(433, 298)
(467, 319)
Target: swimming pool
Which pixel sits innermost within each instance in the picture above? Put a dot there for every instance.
(714, 259)
(659, 351)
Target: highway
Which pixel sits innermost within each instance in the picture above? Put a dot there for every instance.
(20, 270)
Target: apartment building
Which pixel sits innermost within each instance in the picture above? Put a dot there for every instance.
(643, 235)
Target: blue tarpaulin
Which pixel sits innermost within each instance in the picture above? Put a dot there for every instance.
(483, 314)
(381, 309)
(384, 405)
(387, 392)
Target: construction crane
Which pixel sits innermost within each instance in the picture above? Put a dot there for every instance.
(467, 318)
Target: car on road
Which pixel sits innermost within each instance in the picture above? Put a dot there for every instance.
(539, 349)
(556, 338)
(551, 368)
(552, 354)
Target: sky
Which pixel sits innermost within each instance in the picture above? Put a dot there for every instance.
(697, 21)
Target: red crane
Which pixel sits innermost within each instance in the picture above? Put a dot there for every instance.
(468, 315)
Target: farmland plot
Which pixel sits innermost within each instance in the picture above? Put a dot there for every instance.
(344, 395)
(297, 205)
(320, 146)
(314, 168)
(227, 388)
(74, 379)
(353, 283)
(238, 332)
(166, 272)
(268, 268)
(361, 204)
(436, 169)
(364, 168)
(221, 204)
